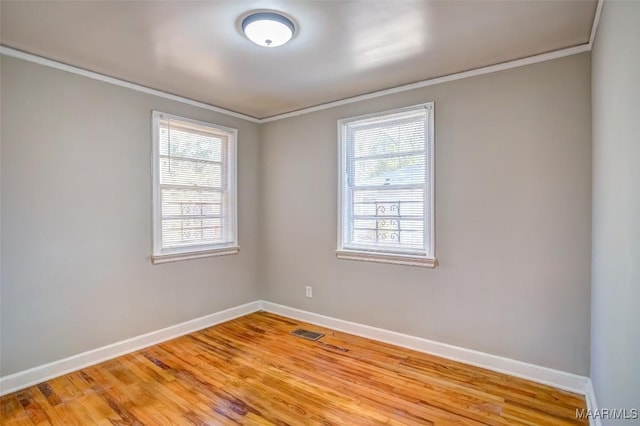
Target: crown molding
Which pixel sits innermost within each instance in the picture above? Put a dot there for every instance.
(14, 53)
(596, 21)
(549, 56)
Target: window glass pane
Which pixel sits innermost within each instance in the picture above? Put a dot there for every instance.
(174, 235)
(389, 218)
(385, 191)
(194, 165)
(391, 138)
(177, 202)
(388, 238)
(189, 144)
(388, 202)
(406, 170)
(188, 172)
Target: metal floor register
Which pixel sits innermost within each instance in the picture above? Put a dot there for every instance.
(306, 334)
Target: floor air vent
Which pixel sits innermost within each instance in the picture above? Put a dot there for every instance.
(306, 334)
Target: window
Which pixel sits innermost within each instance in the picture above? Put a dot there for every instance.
(386, 187)
(194, 189)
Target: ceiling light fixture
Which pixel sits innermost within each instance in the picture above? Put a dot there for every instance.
(268, 29)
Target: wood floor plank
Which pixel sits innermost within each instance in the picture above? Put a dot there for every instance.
(253, 371)
(12, 411)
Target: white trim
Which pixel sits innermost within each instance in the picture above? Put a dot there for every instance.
(229, 169)
(8, 51)
(548, 376)
(395, 259)
(549, 56)
(32, 376)
(556, 378)
(156, 201)
(596, 21)
(592, 405)
(431, 187)
(380, 254)
(158, 259)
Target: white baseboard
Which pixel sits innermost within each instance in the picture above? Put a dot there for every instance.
(32, 376)
(556, 378)
(592, 405)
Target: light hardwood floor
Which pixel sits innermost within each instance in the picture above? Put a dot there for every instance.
(252, 371)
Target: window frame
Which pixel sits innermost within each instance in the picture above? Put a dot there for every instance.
(389, 255)
(160, 255)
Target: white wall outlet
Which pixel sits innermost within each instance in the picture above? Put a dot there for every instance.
(309, 291)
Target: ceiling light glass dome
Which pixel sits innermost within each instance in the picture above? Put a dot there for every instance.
(268, 29)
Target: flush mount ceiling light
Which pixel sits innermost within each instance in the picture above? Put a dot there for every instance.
(268, 29)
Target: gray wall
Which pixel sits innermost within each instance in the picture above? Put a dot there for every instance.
(513, 159)
(513, 218)
(615, 310)
(76, 219)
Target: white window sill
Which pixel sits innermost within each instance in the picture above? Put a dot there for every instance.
(396, 259)
(175, 257)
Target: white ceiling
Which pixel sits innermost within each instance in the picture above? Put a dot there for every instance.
(196, 50)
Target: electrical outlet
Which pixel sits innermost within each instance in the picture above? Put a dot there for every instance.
(309, 291)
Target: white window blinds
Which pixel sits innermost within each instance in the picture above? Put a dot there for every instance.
(194, 185)
(387, 182)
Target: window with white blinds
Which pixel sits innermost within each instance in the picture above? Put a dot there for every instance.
(194, 188)
(386, 186)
